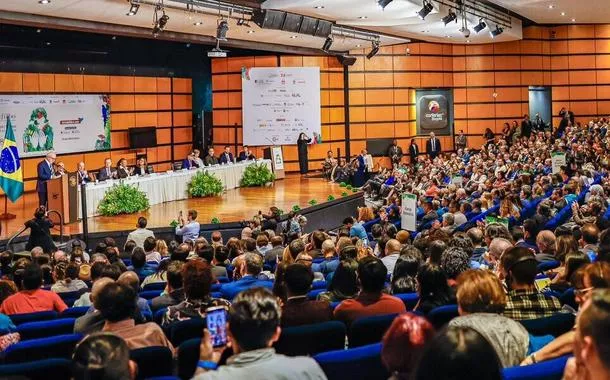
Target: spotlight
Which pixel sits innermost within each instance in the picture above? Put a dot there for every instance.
(451, 16)
(222, 30)
(465, 31)
(480, 26)
(156, 30)
(44, 2)
(425, 11)
(328, 43)
(133, 9)
(243, 22)
(383, 3)
(374, 50)
(163, 21)
(496, 32)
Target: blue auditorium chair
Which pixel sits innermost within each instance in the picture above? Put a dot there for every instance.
(215, 287)
(369, 330)
(158, 315)
(313, 294)
(555, 325)
(216, 294)
(74, 312)
(33, 317)
(361, 363)
(152, 361)
(44, 329)
(61, 369)
(150, 294)
(547, 370)
(155, 286)
(60, 346)
(409, 299)
(188, 356)
(568, 298)
(440, 316)
(548, 265)
(319, 285)
(223, 280)
(70, 297)
(185, 330)
(311, 339)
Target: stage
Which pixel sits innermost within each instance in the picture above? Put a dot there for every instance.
(233, 206)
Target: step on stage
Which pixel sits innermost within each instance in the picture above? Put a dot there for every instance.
(233, 206)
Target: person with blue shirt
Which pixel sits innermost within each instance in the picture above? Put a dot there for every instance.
(253, 266)
(355, 228)
(190, 230)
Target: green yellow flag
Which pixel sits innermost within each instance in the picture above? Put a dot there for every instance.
(11, 176)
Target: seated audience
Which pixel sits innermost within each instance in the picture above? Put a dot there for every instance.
(404, 277)
(433, 288)
(197, 281)
(207, 253)
(254, 328)
(403, 344)
(298, 310)
(174, 291)
(392, 251)
(371, 300)
(545, 241)
(149, 246)
(66, 278)
(140, 234)
(139, 265)
(160, 275)
(32, 298)
(458, 353)
(272, 255)
(131, 279)
(253, 266)
(344, 282)
(103, 356)
(519, 268)
(117, 304)
(92, 321)
(481, 301)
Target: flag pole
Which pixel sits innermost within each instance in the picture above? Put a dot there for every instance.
(6, 215)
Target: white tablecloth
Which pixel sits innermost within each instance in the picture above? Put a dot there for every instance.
(166, 187)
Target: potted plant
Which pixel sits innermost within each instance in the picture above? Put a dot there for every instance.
(257, 175)
(204, 184)
(123, 199)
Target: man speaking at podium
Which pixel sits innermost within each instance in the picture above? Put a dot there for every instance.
(45, 173)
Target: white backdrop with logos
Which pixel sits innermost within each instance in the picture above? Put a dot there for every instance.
(61, 123)
(279, 103)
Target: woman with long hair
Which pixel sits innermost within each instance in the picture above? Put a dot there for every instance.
(432, 288)
(302, 142)
(66, 278)
(344, 282)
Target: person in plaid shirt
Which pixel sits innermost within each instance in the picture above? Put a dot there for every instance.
(519, 267)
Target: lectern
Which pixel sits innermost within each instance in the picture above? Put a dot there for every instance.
(62, 193)
(276, 156)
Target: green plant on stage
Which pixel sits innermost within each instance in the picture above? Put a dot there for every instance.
(173, 223)
(256, 175)
(204, 184)
(313, 202)
(342, 184)
(344, 194)
(123, 199)
(215, 220)
(296, 208)
(354, 190)
(349, 187)
(330, 198)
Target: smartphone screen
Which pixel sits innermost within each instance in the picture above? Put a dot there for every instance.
(216, 320)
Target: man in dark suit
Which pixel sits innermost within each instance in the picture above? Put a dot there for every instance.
(246, 154)
(227, 156)
(45, 172)
(526, 126)
(395, 154)
(433, 146)
(413, 151)
(210, 159)
(298, 310)
(81, 173)
(106, 172)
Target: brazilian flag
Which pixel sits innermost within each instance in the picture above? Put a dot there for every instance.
(11, 177)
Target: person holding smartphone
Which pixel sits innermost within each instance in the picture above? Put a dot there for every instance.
(254, 328)
(190, 230)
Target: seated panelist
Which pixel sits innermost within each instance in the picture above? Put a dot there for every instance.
(141, 167)
(122, 169)
(226, 157)
(210, 159)
(106, 172)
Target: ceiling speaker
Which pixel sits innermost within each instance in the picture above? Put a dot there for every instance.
(346, 60)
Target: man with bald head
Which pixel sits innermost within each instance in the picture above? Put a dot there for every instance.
(546, 246)
(496, 249)
(392, 251)
(131, 279)
(93, 321)
(45, 172)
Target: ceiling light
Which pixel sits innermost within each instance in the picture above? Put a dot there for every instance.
(197, 23)
(221, 30)
(48, 44)
(133, 9)
(44, 1)
(250, 31)
(327, 44)
(480, 26)
(163, 21)
(374, 50)
(451, 16)
(563, 13)
(113, 38)
(467, 41)
(188, 45)
(551, 6)
(425, 11)
(362, 17)
(496, 32)
(293, 36)
(465, 31)
(573, 20)
(319, 7)
(358, 45)
(383, 3)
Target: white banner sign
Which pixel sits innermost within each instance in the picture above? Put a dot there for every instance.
(408, 217)
(559, 160)
(60, 123)
(279, 103)
(278, 158)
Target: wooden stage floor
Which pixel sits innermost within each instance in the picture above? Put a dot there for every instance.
(234, 205)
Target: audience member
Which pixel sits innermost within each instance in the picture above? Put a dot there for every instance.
(66, 278)
(404, 277)
(174, 291)
(433, 288)
(140, 234)
(298, 310)
(103, 356)
(149, 246)
(32, 298)
(189, 229)
(93, 320)
(252, 267)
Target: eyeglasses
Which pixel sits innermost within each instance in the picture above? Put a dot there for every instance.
(582, 292)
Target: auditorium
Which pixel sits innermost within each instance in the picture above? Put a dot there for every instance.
(304, 189)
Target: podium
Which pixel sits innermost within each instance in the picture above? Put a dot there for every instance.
(62, 196)
(274, 153)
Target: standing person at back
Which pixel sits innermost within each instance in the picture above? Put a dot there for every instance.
(140, 233)
(45, 172)
(371, 300)
(433, 146)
